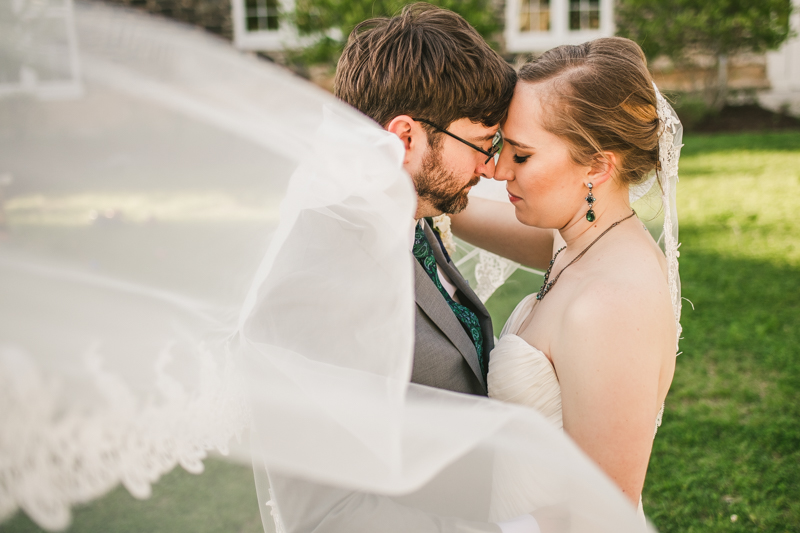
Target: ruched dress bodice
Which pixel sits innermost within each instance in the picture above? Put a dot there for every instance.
(522, 374)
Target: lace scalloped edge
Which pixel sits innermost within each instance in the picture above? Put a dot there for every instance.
(52, 461)
(669, 154)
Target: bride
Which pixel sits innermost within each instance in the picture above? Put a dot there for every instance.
(594, 349)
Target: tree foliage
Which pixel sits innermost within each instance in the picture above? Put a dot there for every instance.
(677, 28)
(327, 23)
(680, 29)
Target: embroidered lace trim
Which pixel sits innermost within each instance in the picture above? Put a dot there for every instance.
(54, 460)
(669, 154)
(275, 513)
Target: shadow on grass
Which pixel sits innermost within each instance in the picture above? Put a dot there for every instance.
(727, 457)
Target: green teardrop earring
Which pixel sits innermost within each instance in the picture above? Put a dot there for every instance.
(590, 199)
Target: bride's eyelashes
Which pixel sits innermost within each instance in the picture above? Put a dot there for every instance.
(519, 159)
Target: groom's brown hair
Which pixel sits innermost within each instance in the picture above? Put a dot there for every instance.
(426, 62)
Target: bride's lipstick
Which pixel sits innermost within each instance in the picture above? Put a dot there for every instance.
(512, 197)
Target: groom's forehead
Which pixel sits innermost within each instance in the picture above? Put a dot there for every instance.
(474, 131)
(489, 136)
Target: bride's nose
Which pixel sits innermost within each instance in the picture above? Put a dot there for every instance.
(502, 169)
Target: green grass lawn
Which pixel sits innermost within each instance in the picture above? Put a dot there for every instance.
(221, 500)
(730, 442)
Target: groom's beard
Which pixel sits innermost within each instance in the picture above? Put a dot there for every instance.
(439, 187)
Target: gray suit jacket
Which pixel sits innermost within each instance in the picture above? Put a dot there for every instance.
(444, 357)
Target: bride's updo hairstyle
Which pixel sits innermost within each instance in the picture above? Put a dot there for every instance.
(601, 99)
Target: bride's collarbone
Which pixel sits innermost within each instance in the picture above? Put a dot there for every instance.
(543, 324)
(593, 288)
(627, 259)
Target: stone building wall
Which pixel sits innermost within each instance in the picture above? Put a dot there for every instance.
(746, 73)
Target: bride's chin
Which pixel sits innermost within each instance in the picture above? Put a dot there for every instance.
(525, 216)
(534, 221)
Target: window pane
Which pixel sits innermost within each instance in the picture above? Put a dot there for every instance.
(261, 15)
(525, 21)
(534, 15)
(584, 15)
(574, 16)
(594, 19)
(544, 19)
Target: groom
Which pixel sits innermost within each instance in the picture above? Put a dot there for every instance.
(429, 78)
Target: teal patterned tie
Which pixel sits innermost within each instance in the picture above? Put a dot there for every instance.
(424, 253)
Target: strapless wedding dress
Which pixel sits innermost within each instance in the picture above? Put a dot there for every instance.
(522, 374)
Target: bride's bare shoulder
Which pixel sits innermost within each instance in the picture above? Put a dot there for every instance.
(626, 297)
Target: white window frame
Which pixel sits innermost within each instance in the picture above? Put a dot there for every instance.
(517, 41)
(64, 89)
(285, 36)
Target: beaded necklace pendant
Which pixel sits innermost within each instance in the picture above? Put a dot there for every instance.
(546, 284)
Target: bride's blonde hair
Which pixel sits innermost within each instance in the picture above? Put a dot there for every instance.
(602, 99)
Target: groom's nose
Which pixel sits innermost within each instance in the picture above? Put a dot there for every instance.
(487, 169)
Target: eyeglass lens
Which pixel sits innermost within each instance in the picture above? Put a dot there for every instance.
(497, 145)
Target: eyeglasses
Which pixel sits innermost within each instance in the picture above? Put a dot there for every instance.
(497, 141)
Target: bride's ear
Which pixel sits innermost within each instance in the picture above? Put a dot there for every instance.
(411, 135)
(603, 168)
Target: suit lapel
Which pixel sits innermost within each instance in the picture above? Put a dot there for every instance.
(477, 305)
(434, 305)
(455, 276)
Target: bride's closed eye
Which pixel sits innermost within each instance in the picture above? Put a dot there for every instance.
(519, 159)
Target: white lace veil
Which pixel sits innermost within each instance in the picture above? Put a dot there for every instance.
(655, 199)
(669, 148)
(197, 244)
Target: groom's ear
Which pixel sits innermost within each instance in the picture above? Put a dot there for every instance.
(411, 135)
(603, 168)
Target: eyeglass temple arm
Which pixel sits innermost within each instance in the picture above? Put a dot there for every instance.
(490, 155)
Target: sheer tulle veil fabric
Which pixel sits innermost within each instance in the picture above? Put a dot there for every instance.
(197, 245)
